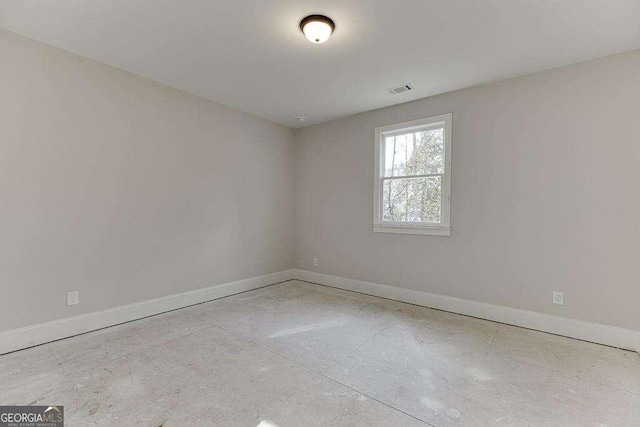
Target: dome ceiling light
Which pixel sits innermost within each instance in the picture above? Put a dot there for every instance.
(317, 28)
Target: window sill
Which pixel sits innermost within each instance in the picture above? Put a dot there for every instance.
(410, 229)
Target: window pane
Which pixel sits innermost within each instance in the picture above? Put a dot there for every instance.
(417, 153)
(434, 147)
(412, 199)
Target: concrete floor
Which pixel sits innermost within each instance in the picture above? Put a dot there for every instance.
(297, 354)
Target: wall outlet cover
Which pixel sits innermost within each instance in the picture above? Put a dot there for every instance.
(73, 298)
(558, 298)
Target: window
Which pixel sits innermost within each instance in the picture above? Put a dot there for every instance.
(413, 177)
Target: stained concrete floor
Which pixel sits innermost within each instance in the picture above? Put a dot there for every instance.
(298, 354)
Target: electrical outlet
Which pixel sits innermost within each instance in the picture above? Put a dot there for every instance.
(315, 262)
(558, 298)
(73, 297)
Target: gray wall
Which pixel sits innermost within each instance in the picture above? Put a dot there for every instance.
(545, 184)
(127, 190)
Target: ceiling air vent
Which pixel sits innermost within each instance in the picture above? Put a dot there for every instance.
(399, 89)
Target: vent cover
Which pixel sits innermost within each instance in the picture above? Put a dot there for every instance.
(399, 89)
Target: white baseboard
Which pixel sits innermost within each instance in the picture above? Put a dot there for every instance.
(29, 336)
(594, 332)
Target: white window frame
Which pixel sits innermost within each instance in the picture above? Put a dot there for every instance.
(444, 227)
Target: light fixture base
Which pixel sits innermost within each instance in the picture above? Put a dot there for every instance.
(320, 28)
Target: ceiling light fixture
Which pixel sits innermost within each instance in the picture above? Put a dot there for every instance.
(317, 28)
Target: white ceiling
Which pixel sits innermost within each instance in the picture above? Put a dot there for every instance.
(251, 55)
